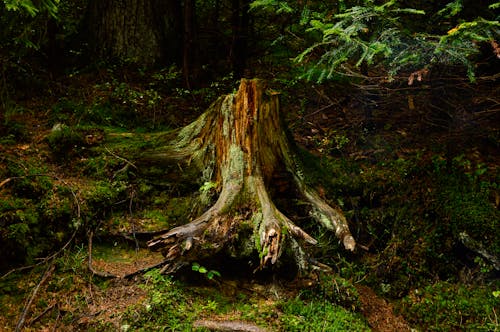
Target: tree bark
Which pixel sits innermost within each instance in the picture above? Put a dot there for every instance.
(144, 31)
(239, 143)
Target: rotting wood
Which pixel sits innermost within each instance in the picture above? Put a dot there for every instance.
(228, 326)
(239, 143)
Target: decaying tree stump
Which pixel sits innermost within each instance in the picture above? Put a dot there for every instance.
(238, 144)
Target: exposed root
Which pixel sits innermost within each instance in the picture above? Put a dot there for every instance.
(213, 229)
(182, 239)
(273, 224)
(330, 218)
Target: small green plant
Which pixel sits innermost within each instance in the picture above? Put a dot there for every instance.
(332, 141)
(168, 306)
(207, 186)
(210, 274)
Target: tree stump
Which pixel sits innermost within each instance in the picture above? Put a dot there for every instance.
(238, 144)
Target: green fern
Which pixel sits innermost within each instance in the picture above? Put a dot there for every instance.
(451, 9)
(280, 7)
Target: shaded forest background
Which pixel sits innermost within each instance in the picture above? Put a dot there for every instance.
(394, 106)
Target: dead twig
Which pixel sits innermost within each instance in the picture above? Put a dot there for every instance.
(4, 182)
(478, 248)
(43, 313)
(121, 158)
(30, 300)
(57, 319)
(146, 269)
(132, 194)
(110, 275)
(239, 326)
(44, 260)
(319, 110)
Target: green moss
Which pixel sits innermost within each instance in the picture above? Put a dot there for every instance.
(335, 289)
(243, 245)
(451, 307)
(256, 221)
(167, 306)
(464, 206)
(35, 213)
(178, 209)
(319, 315)
(64, 141)
(173, 304)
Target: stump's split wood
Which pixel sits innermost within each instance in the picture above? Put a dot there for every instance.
(238, 143)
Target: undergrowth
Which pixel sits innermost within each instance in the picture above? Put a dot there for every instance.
(450, 307)
(408, 211)
(175, 306)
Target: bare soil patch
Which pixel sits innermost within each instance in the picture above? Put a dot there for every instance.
(379, 313)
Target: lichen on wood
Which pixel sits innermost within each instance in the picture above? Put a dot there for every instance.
(240, 142)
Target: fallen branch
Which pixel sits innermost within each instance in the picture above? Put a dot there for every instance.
(121, 158)
(43, 313)
(44, 260)
(146, 269)
(229, 326)
(30, 300)
(478, 248)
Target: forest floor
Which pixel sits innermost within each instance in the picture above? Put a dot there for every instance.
(367, 141)
(93, 302)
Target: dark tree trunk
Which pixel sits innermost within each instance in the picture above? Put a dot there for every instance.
(240, 24)
(239, 144)
(188, 37)
(144, 31)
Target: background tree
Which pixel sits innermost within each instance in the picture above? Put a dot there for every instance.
(240, 20)
(144, 31)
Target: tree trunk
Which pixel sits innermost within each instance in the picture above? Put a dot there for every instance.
(188, 36)
(144, 31)
(240, 19)
(239, 144)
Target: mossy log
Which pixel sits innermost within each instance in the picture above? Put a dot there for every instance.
(238, 144)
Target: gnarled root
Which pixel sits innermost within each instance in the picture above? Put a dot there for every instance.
(177, 242)
(209, 233)
(273, 225)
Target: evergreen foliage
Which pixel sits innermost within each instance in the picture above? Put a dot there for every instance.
(354, 36)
